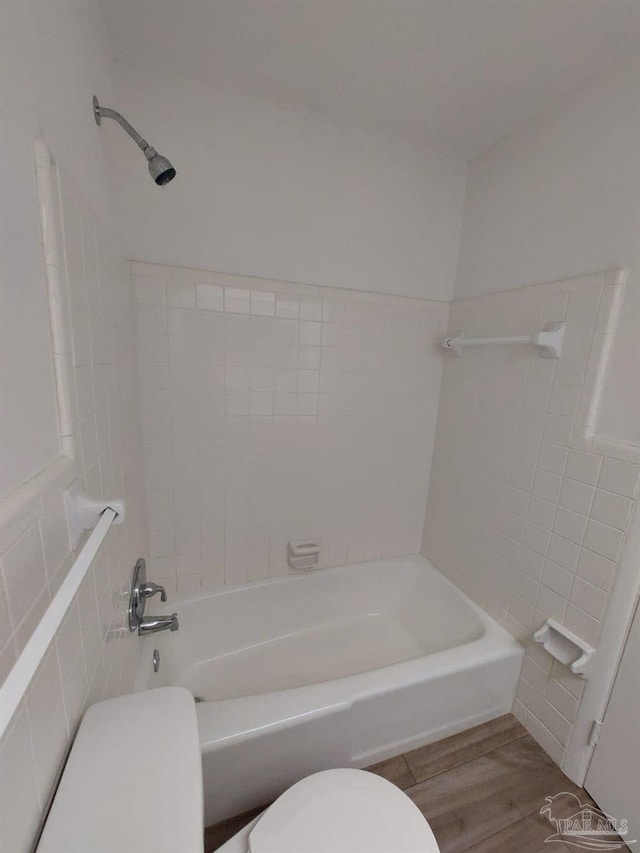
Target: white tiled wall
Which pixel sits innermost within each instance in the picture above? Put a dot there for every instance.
(273, 411)
(93, 655)
(527, 510)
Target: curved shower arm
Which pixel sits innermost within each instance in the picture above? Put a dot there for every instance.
(101, 112)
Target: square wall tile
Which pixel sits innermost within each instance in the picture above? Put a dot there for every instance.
(270, 396)
(619, 477)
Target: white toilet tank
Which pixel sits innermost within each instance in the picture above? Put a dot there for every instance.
(133, 781)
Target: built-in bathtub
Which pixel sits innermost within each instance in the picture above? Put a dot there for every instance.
(340, 667)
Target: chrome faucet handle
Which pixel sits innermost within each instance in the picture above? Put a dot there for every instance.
(150, 588)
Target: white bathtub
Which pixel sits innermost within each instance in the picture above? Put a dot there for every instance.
(341, 667)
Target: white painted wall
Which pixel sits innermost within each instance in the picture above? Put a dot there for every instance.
(275, 193)
(53, 55)
(559, 198)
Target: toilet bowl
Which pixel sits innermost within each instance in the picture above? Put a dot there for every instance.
(338, 811)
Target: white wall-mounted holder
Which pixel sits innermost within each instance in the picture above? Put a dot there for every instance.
(83, 512)
(565, 647)
(304, 554)
(548, 341)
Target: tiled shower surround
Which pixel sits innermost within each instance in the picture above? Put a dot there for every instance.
(93, 655)
(527, 509)
(275, 412)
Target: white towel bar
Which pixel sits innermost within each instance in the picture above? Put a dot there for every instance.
(18, 680)
(549, 341)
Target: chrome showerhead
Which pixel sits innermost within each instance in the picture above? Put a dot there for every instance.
(160, 168)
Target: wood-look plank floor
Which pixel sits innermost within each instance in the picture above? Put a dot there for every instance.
(481, 791)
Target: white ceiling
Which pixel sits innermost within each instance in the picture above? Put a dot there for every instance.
(455, 74)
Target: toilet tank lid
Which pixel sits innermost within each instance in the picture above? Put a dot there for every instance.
(343, 811)
(133, 780)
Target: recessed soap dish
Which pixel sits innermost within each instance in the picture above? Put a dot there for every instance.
(565, 647)
(304, 554)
